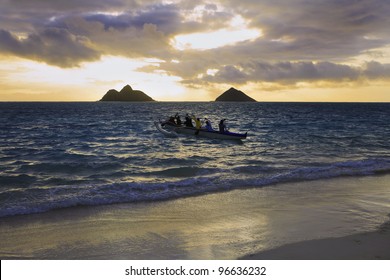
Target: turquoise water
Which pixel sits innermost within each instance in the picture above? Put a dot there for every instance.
(55, 155)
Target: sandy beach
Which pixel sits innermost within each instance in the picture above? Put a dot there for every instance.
(365, 246)
(343, 218)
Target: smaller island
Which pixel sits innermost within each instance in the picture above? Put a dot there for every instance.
(234, 95)
(126, 94)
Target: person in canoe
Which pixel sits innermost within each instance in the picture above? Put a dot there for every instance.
(208, 125)
(171, 119)
(188, 121)
(222, 126)
(198, 124)
(177, 118)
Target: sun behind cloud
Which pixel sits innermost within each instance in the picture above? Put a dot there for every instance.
(181, 50)
(237, 31)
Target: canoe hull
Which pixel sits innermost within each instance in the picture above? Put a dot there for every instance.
(170, 133)
(203, 132)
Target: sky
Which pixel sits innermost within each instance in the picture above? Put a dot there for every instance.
(279, 50)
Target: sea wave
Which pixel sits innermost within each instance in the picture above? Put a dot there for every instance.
(17, 201)
(55, 155)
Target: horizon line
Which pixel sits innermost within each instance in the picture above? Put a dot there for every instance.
(168, 101)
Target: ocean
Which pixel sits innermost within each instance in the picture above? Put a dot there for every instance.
(61, 155)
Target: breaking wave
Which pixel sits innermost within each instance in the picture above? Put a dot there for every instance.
(41, 199)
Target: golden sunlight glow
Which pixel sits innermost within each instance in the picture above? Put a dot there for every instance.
(237, 31)
(377, 54)
(211, 72)
(211, 40)
(38, 81)
(175, 50)
(26, 80)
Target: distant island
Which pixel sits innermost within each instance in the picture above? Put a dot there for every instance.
(234, 95)
(126, 94)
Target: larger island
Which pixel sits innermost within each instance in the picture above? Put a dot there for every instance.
(126, 94)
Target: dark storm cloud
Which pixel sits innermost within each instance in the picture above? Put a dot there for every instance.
(230, 73)
(295, 33)
(68, 5)
(299, 32)
(27, 15)
(166, 17)
(58, 32)
(376, 70)
(284, 71)
(54, 46)
(317, 29)
(124, 28)
(293, 72)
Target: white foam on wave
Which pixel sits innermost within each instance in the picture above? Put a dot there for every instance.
(41, 199)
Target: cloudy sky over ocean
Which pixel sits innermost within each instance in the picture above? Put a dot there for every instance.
(280, 50)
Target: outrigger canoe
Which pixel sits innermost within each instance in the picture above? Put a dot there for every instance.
(169, 126)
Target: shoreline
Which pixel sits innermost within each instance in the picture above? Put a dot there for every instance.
(242, 223)
(374, 245)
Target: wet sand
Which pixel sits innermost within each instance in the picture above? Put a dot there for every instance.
(346, 214)
(365, 246)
